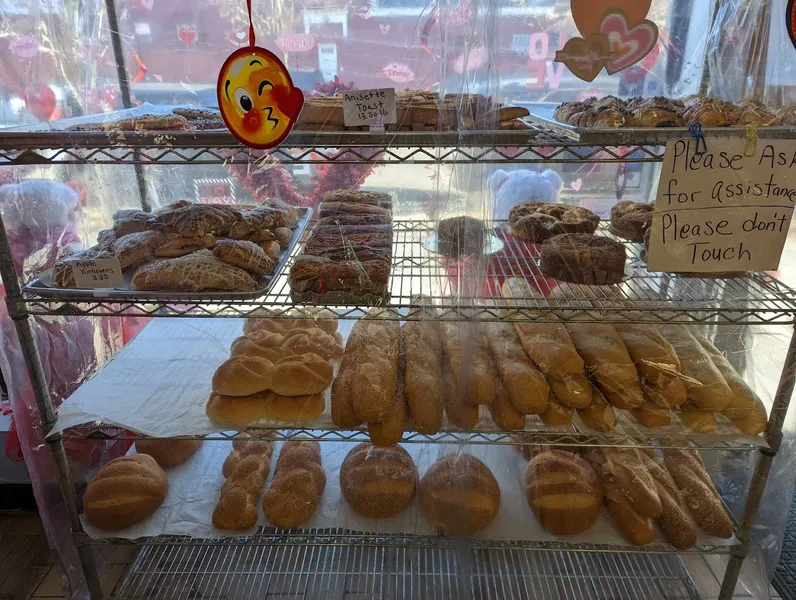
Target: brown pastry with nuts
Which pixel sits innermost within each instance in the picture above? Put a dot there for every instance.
(584, 259)
(378, 482)
(536, 222)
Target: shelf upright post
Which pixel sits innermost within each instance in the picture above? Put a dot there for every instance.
(18, 311)
(758, 484)
(127, 99)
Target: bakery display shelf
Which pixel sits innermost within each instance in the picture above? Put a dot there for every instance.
(227, 569)
(563, 439)
(469, 290)
(534, 144)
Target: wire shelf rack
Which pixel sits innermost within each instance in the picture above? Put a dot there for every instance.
(534, 144)
(470, 290)
(231, 570)
(559, 439)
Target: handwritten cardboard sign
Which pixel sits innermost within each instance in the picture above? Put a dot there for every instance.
(723, 210)
(100, 273)
(369, 107)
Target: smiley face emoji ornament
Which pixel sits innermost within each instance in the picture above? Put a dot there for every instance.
(257, 98)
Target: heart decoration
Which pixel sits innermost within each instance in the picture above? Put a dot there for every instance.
(628, 45)
(385, 29)
(790, 19)
(577, 184)
(585, 58)
(41, 102)
(588, 14)
(363, 12)
(187, 35)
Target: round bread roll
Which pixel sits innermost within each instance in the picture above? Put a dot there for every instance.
(243, 375)
(563, 491)
(168, 453)
(124, 492)
(378, 481)
(459, 494)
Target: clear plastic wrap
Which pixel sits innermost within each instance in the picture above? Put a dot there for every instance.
(60, 63)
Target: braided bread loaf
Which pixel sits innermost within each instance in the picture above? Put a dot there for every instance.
(297, 485)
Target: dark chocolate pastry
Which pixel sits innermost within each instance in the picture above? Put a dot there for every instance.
(631, 220)
(535, 222)
(584, 259)
(460, 237)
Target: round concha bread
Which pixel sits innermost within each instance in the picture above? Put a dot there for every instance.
(168, 453)
(378, 481)
(459, 494)
(563, 491)
(124, 492)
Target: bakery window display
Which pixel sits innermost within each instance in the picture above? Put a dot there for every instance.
(346, 258)
(192, 248)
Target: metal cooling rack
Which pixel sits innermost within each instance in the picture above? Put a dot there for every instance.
(534, 144)
(469, 290)
(237, 571)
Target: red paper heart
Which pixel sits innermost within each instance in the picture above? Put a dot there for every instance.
(40, 102)
(187, 35)
(627, 45)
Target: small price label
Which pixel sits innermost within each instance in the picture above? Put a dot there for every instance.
(369, 107)
(100, 273)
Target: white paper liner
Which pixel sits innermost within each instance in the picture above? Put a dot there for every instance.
(160, 383)
(194, 490)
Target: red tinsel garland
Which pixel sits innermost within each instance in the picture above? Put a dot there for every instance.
(269, 179)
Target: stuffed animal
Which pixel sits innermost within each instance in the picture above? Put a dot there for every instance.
(521, 187)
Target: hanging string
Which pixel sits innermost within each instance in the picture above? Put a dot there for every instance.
(696, 132)
(252, 41)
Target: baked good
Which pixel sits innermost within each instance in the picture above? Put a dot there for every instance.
(630, 220)
(600, 414)
(106, 238)
(608, 363)
(180, 246)
(710, 112)
(136, 248)
(246, 444)
(675, 521)
(322, 318)
(526, 386)
(261, 344)
(470, 365)
(301, 375)
(563, 492)
(168, 453)
(423, 374)
(503, 412)
(390, 430)
(359, 197)
(459, 494)
(244, 411)
(245, 470)
(703, 381)
(128, 221)
(62, 274)
(536, 222)
(352, 219)
(246, 255)
(583, 258)
(330, 209)
(297, 485)
(697, 489)
(557, 414)
(744, 402)
(650, 415)
(243, 375)
(197, 272)
(461, 237)
(375, 376)
(343, 413)
(696, 419)
(755, 422)
(312, 340)
(124, 492)
(657, 112)
(378, 482)
(785, 116)
(197, 220)
(252, 221)
(320, 275)
(626, 469)
(459, 411)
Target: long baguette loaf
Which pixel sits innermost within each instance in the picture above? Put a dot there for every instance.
(675, 520)
(524, 383)
(461, 414)
(375, 375)
(600, 414)
(696, 419)
(704, 382)
(700, 495)
(469, 361)
(503, 412)
(657, 362)
(609, 363)
(389, 431)
(627, 469)
(423, 374)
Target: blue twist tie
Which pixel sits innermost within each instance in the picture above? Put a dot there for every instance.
(699, 136)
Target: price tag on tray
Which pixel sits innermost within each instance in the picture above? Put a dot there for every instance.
(100, 273)
(723, 207)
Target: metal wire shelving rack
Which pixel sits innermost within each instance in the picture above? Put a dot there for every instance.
(436, 566)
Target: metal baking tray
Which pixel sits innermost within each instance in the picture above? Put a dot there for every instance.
(643, 136)
(38, 287)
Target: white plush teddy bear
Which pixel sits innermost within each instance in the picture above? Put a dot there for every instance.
(520, 187)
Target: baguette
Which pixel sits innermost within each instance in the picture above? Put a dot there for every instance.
(657, 363)
(423, 374)
(675, 521)
(390, 431)
(599, 415)
(375, 375)
(696, 419)
(609, 363)
(526, 386)
(700, 495)
(754, 423)
(503, 412)
(557, 413)
(705, 385)
(627, 470)
(461, 414)
(652, 416)
(469, 362)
